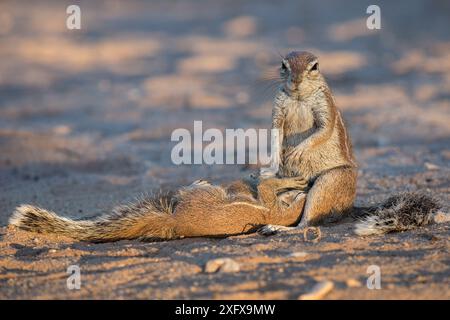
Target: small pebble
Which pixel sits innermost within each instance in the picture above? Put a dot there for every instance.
(222, 265)
(312, 234)
(431, 166)
(319, 291)
(298, 254)
(441, 217)
(353, 283)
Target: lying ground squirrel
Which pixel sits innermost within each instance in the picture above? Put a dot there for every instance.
(200, 209)
(314, 181)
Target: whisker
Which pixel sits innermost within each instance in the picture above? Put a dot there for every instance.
(262, 83)
(269, 80)
(264, 80)
(265, 84)
(263, 93)
(277, 52)
(280, 54)
(271, 74)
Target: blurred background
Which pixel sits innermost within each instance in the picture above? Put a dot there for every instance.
(86, 115)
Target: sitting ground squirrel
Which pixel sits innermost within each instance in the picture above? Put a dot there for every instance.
(313, 143)
(313, 140)
(314, 180)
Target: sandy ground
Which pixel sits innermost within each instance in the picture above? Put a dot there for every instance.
(86, 118)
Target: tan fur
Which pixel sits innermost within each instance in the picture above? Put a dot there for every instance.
(314, 143)
(198, 210)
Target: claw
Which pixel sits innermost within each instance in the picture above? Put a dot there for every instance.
(267, 172)
(295, 183)
(270, 229)
(200, 182)
(301, 182)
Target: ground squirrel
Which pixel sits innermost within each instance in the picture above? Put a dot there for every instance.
(314, 144)
(313, 140)
(314, 180)
(201, 209)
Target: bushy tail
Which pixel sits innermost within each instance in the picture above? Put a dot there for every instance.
(400, 212)
(147, 219)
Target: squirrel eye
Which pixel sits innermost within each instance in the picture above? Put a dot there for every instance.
(315, 67)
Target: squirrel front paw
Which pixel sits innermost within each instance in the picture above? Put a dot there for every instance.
(294, 183)
(300, 183)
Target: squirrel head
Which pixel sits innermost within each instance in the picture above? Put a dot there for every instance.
(300, 74)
